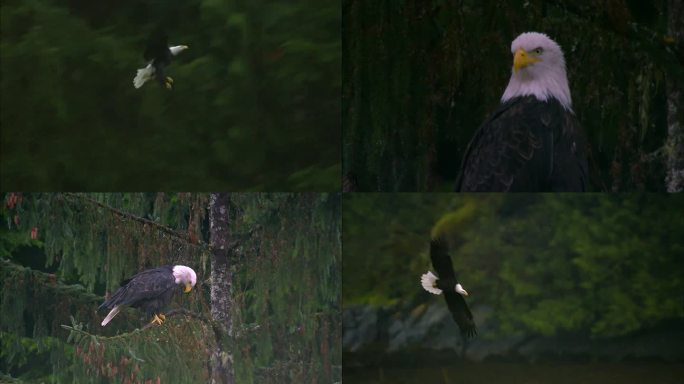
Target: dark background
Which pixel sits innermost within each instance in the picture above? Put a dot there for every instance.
(255, 104)
(419, 77)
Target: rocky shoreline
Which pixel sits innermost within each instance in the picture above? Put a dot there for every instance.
(426, 332)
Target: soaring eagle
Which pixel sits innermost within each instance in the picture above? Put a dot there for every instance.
(533, 141)
(150, 291)
(454, 294)
(158, 55)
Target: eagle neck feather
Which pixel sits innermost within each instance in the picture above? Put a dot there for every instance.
(554, 84)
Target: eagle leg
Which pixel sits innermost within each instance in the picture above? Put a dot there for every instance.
(157, 319)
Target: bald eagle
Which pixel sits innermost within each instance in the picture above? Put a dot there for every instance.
(446, 283)
(158, 55)
(532, 142)
(151, 291)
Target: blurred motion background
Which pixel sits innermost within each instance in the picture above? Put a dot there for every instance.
(420, 76)
(563, 288)
(255, 104)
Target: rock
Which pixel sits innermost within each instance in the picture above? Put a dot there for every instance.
(360, 327)
(429, 329)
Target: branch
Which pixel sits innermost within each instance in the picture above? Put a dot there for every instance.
(51, 281)
(86, 333)
(218, 333)
(657, 155)
(185, 312)
(180, 311)
(130, 216)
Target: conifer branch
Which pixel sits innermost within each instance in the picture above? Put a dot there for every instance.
(130, 216)
(174, 312)
(51, 281)
(182, 311)
(101, 337)
(169, 231)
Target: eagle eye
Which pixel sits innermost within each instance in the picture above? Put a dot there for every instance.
(538, 50)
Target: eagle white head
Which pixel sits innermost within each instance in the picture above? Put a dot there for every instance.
(429, 282)
(538, 70)
(186, 276)
(176, 49)
(459, 289)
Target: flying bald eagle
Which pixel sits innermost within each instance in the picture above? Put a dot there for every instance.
(150, 291)
(454, 294)
(533, 141)
(158, 55)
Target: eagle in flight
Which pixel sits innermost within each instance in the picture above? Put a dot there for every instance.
(158, 55)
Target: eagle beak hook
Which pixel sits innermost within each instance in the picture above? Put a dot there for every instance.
(187, 288)
(522, 59)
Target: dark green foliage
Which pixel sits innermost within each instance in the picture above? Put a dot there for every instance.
(599, 264)
(286, 317)
(255, 104)
(289, 284)
(419, 77)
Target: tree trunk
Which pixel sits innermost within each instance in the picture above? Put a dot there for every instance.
(221, 286)
(675, 103)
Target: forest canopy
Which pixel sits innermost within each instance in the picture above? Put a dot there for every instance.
(255, 104)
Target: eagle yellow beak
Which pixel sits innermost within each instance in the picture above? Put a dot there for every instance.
(188, 288)
(522, 59)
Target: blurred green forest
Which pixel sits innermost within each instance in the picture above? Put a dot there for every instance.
(61, 253)
(255, 104)
(420, 76)
(598, 264)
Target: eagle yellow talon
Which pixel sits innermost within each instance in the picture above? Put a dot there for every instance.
(158, 319)
(169, 79)
(168, 85)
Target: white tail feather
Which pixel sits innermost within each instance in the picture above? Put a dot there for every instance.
(428, 282)
(111, 315)
(143, 75)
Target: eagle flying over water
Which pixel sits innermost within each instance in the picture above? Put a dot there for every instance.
(532, 142)
(446, 283)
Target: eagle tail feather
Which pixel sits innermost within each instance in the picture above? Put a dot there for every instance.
(111, 315)
(143, 75)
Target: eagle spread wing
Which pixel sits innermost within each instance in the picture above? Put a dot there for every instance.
(441, 261)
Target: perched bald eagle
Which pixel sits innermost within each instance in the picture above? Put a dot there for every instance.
(533, 141)
(158, 55)
(454, 294)
(150, 291)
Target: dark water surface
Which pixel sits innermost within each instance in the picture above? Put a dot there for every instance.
(512, 373)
